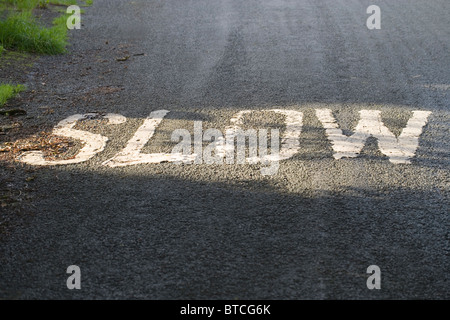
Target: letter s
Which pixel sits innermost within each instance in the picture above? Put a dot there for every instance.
(93, 143)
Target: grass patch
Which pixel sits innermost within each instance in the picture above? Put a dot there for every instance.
(27, 5)
(8, 91)
(21, 31)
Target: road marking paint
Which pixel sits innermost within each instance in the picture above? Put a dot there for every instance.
(93, 143)
(399, 149)
(132, 155)
(290, 143)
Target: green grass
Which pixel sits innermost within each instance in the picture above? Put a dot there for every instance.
(64, 2)
(26, 5)
(1, 49)
(22, 5)
(21, 31)
(8, 91)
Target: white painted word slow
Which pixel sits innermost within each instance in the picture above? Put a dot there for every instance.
(222, 149)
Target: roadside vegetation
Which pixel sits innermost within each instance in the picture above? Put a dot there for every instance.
(28, 30)
(8, 91)
(22, 31)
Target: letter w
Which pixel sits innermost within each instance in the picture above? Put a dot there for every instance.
(399, 149)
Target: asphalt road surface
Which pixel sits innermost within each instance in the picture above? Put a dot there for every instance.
(226, 231)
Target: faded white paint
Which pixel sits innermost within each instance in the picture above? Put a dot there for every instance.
(290, 143)
(132, 155)
(399, 149)
(93, 143)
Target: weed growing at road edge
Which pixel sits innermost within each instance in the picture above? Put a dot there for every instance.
(8, 91)
(20, 30)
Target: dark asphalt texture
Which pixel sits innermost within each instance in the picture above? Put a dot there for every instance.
(166, 231)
